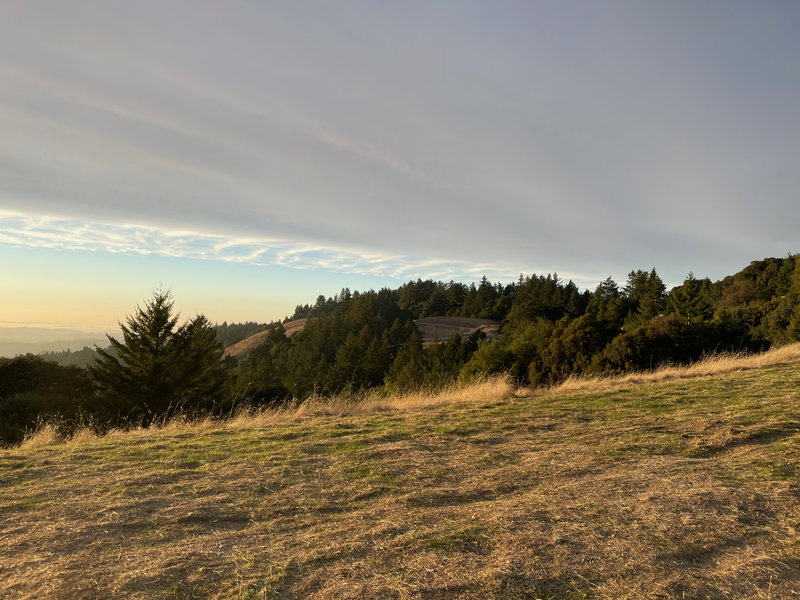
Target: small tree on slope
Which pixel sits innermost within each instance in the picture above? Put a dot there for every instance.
(159, 369)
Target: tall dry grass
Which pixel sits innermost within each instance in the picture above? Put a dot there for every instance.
(49, 434)
(710, 366)
(493, 389)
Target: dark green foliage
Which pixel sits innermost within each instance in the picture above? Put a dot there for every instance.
(437, 305)
(692, 301)
(432, 367)
(769, 277)
(646, 295)
(783, 322)
(360, 362)
(490, 358)
(574, 344)
(444, 360)
(204, 379)
(607, 303)
(261, 373)
(160, 369)
(663, 339)
(415, 295)
(527, 344)
(33, 389)
(404, 372)
(350, 349)
(544, 297)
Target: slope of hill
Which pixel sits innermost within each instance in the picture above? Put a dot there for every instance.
(443, 328)
(240, 349)
(687, 488)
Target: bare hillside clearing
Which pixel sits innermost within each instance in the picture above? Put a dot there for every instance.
(443, 328)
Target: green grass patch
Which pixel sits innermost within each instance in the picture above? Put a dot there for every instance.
(470, 538)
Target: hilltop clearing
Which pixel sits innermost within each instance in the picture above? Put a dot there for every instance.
(443, 328)
(430, 328)
(240, 349)
(684, 487)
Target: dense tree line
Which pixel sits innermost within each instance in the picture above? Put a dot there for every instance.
(357, 341)
(551, 330)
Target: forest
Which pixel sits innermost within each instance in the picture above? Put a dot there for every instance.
(355, 342)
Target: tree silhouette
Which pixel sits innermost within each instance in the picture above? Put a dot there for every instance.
(158, 369)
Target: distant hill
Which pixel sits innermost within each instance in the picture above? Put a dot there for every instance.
(443, 328)
(35, 340)
(240, 349)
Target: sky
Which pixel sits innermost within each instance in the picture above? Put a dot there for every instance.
(250, 156)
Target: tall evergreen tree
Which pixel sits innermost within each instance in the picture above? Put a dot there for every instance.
(158, 369)
(691, 301)
(646, 294)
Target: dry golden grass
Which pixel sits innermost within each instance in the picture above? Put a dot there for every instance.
(492, 389)
(711, 366)
(688, 488)
(83, 435)
(488, 390)
(48, 434)
(45, 434)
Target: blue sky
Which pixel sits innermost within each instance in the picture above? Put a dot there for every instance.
(252, 155)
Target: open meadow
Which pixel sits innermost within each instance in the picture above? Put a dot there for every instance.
(679, 486)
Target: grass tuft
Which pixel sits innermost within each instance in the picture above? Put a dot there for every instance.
(45, 434)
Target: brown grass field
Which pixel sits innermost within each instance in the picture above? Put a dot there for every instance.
(443, 328)
(679, 484)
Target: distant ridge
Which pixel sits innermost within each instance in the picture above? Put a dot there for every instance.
(34, 340)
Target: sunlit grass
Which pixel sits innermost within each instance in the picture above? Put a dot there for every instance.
(679, 488)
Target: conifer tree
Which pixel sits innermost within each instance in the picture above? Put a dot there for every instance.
(158, 369)
(646, 295)
(690, 301)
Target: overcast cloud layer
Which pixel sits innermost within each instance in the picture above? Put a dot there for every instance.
(429, 139)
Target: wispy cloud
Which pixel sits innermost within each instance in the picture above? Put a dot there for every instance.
(36, 231)
(404, 139)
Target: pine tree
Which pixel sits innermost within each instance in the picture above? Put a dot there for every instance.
(690, 301)
(158, 369)
(646, 294)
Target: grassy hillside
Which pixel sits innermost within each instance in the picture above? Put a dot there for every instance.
(684, 487)
(240, 349)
